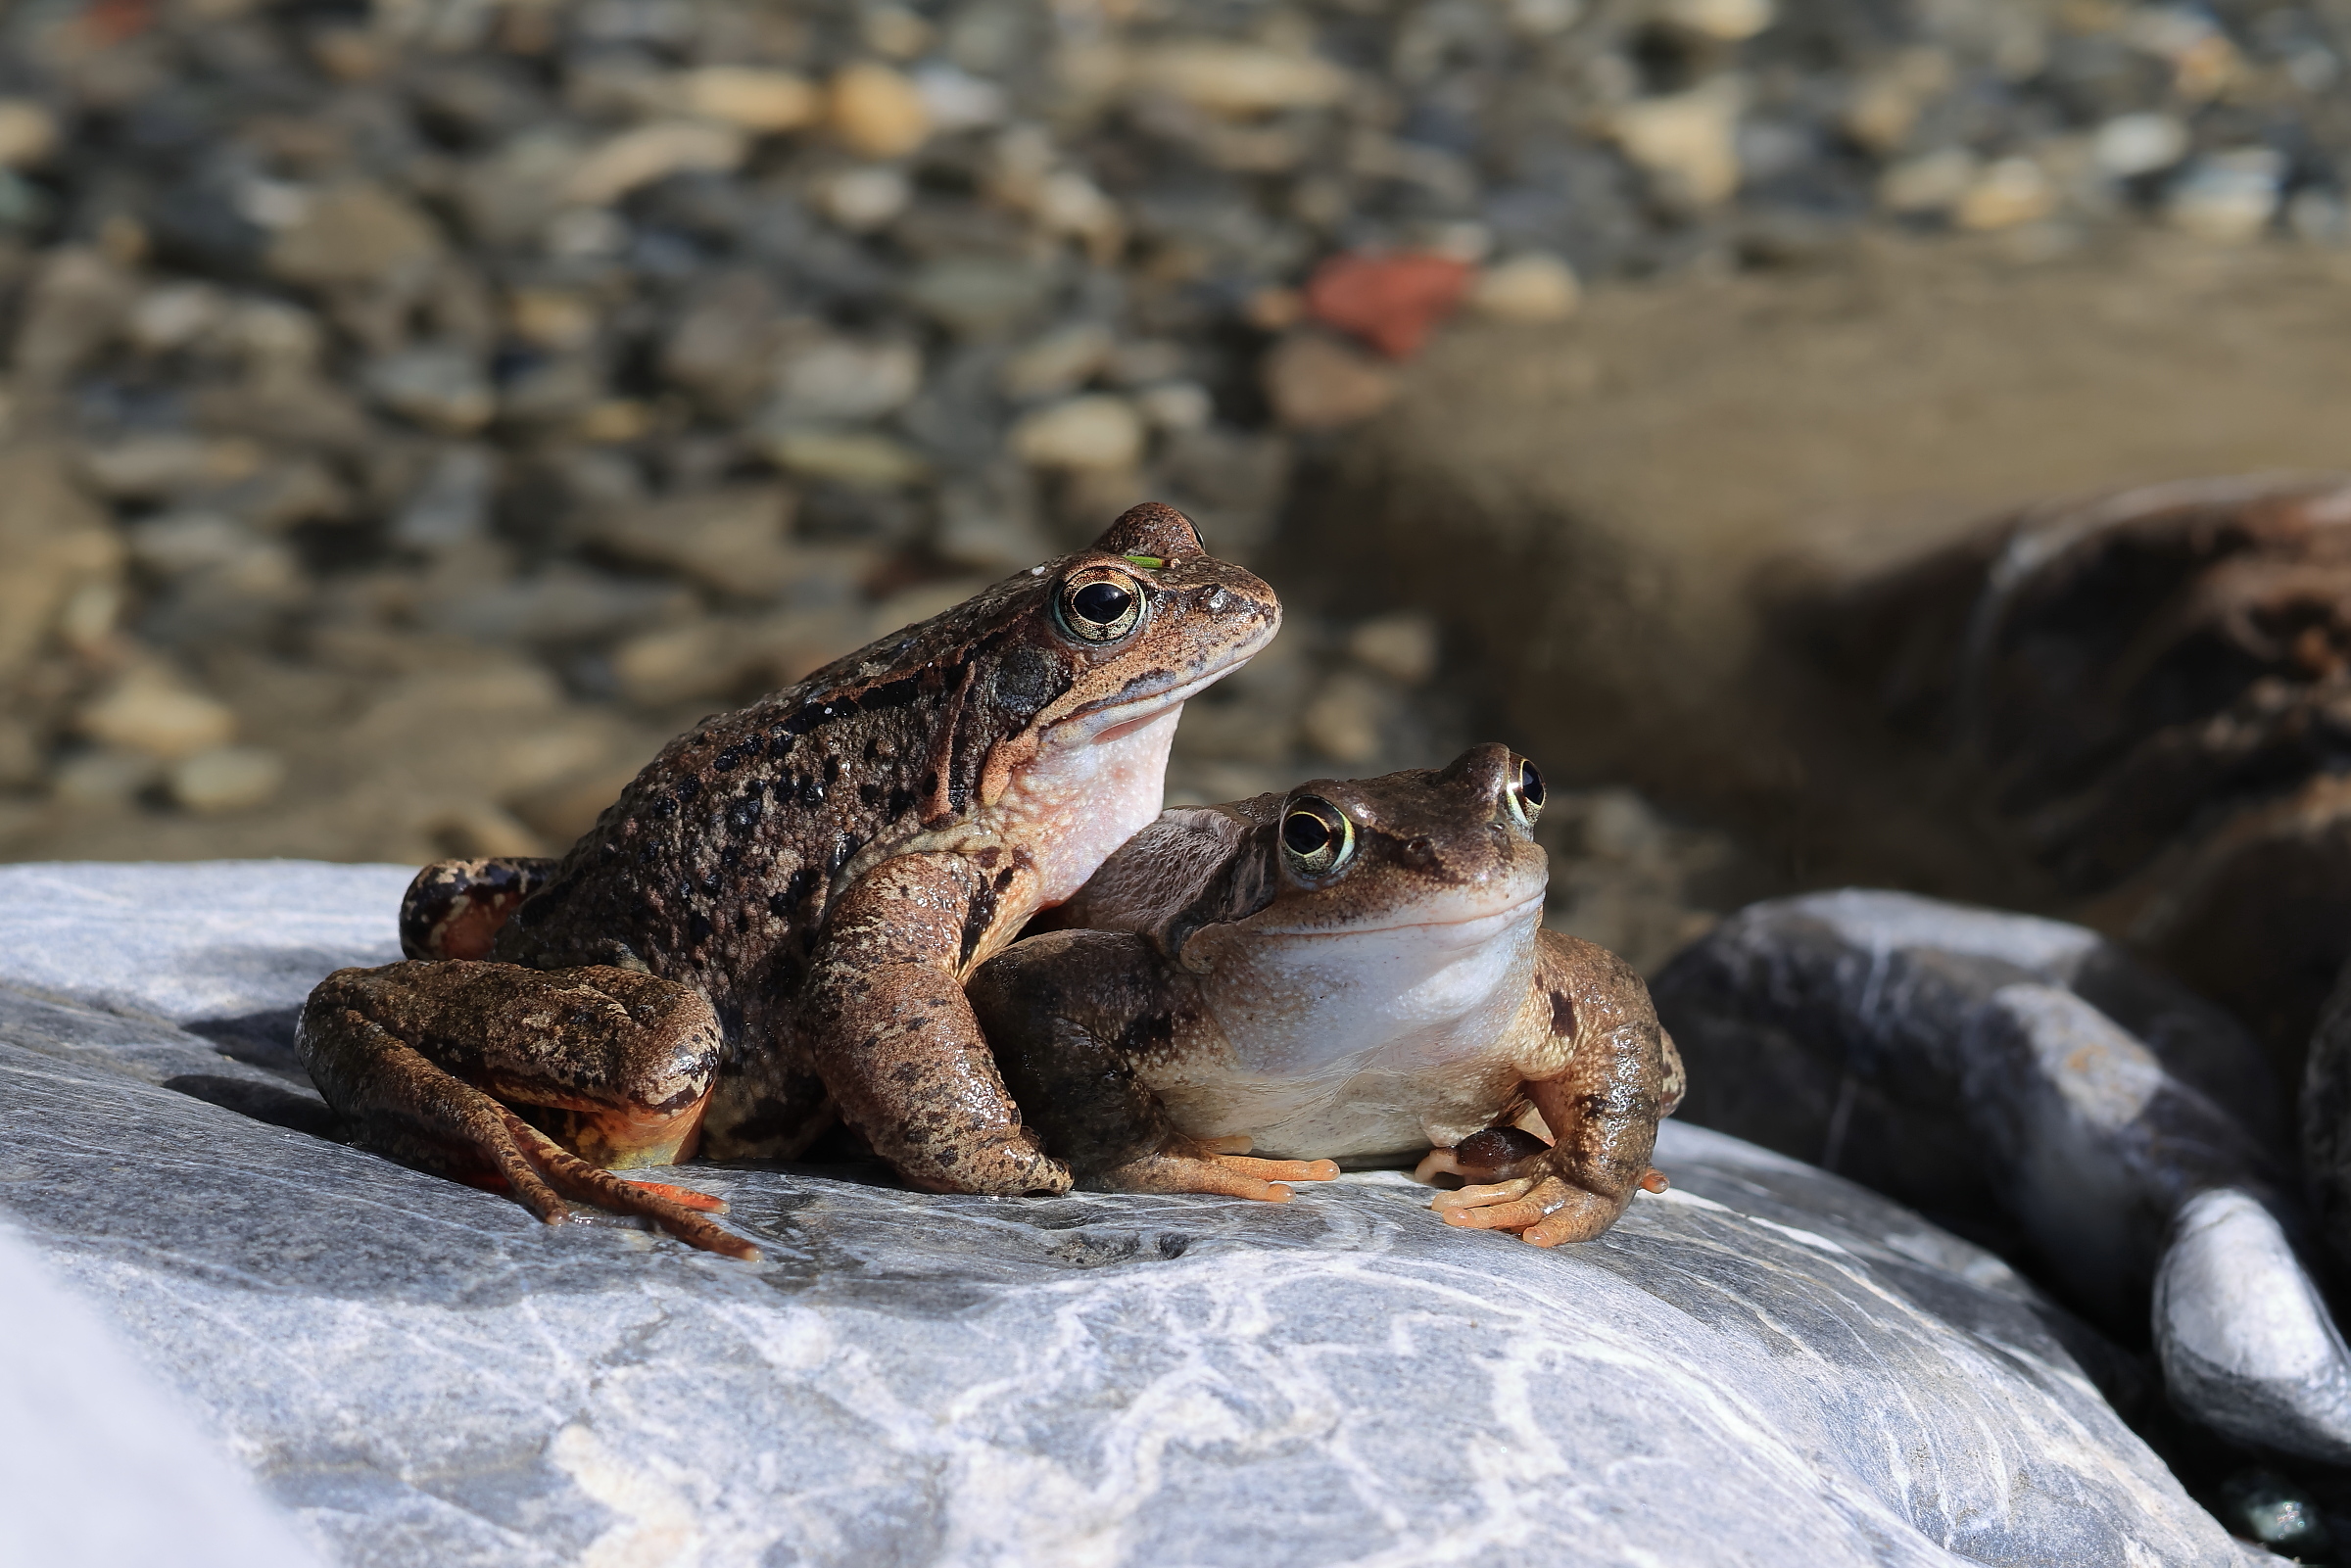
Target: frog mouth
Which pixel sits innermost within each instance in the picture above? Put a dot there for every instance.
(1117, 719)
(1468, 930)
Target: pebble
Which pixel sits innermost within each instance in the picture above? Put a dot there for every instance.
(862, 458)
(649, 153)
(833, 379)
(1094, 431)
(978, 296)
(1059, 363)
(1688, 139)
(28, 133)
(2005, 194)
(1317, 383)
(1403, 646)
(1345, 719)
(440, 386)
(1390, 302)
(2229, 196)
(1239, 80)
(763, 101)
(2130, 145)
(1727, 21)
(227, 779)
(877, 112)
(104, 778)
(151, 711)
(355, 233)
(1526, 290)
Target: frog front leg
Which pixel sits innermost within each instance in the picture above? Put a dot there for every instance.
(534, 1080)
(1073, 1015)
(1603, 1073)
(891, 1036)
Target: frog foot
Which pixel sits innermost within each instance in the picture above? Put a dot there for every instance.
(1218, 1165)
(540, 1174)
(1545, 1211)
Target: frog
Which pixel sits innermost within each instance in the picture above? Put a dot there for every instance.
(767, 935)
(1350, 973)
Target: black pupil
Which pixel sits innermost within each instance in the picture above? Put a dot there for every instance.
(1530, 784)
(1305, 833)
(1101, 602)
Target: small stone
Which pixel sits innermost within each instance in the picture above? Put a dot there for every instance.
(861, 460)
(103, 778)
(1176, 405)
(1096, 431)
(1317, 383)
(1687, 140)
(1886, 101)
(146, 467)
(2007, 193)
(478, 829)
(699, 660)
(990, 524)
(2230, 197)
(28, 133)
(227, 779)
(958, 101)
(175, 543)
(1931, 182)
(355, 233)
(722, 347)
(1239, 80)
(894, 32)
(1528, 289)
(1729, 21)
(77, 300)
(2272, 1510)
(1403, 646)
(1344, 719)
(439, 386)
(452, 507)
(1391, 302)
(54, 544)
(864, 198)
(758, 99)
(556, 320)
(832, 379)
(735, 541)
(2130, 145)
(979, 296)
(1058, 363)
(649, 153)
(150, 711)
(876, 112)
(175, 316)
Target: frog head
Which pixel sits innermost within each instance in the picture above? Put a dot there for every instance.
(1047, 701)
(1339, 873)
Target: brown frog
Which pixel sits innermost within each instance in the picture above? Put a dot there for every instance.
(771, 928)
(1350, 973)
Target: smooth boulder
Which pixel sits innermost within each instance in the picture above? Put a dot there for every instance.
(2034, 1086)
(1764, 1365)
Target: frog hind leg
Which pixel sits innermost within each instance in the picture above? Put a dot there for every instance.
(537, 1081)
(891, 1034)
(454, 908)
(1069, 1013)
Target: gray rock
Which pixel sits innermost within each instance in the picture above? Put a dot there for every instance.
(2031, 1086)
(1764, 1365)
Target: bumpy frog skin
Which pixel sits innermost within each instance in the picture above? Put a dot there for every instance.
(1350, 973)
(772, 925)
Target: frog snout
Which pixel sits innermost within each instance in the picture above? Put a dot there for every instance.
(1484, 773)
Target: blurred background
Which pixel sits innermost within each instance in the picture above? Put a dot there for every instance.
(415, 411)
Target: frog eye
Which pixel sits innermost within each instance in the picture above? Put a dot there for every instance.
(1100, 604)
(1316, 838)
(1525, 792)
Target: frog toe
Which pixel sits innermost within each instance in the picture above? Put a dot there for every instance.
(1545, 1212)
(548, 1166)
(1187, 1167)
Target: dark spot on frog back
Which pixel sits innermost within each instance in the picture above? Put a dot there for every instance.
(1563, 1015)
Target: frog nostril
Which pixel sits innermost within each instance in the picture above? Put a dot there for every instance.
(1420, 849)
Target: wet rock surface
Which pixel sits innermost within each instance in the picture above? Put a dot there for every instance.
(1766, 1365)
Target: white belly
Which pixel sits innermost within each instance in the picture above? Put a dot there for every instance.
(1357, 1046)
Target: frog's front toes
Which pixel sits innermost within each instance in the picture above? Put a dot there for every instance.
(1184, 1165)
(1544, 1210)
